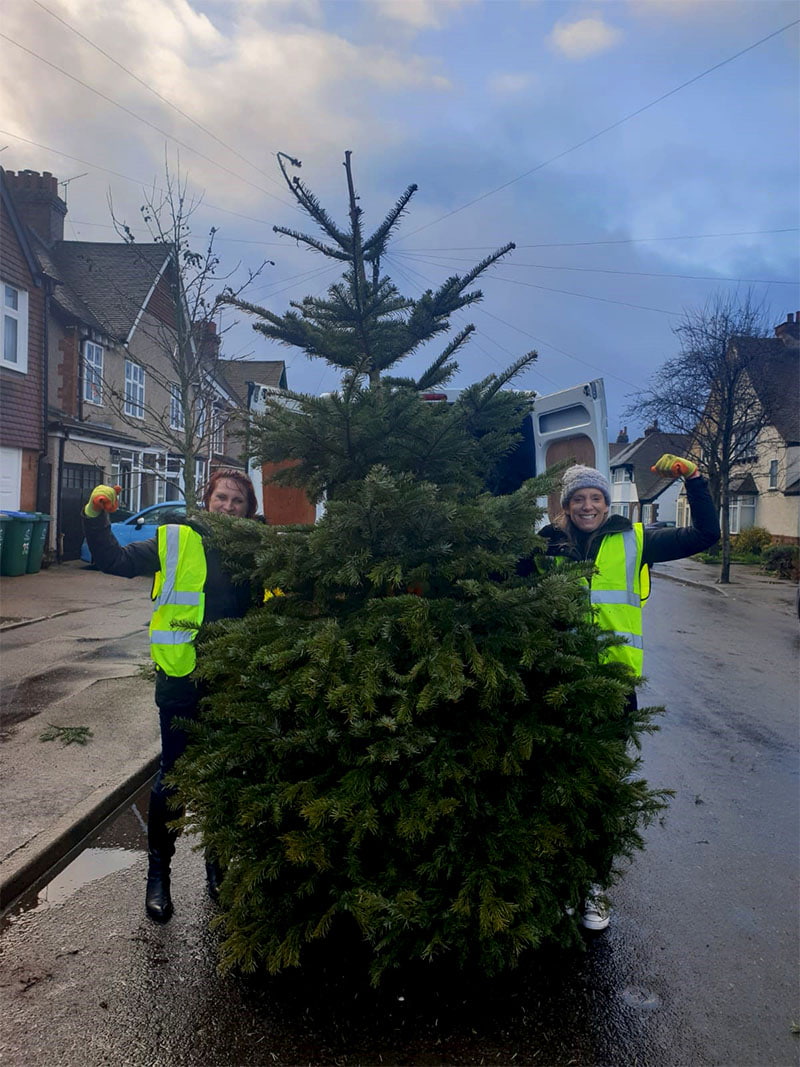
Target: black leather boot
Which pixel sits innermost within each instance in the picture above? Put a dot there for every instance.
(157, 900)
(161, 848)
(214, 876)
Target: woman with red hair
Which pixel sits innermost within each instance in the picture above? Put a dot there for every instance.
(190, 587)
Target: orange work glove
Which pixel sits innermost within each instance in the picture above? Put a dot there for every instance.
(102, 498)
(674, 466)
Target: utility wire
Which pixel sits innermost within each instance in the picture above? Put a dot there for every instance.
(444, 261)
(147, 122)
(406, 272)
(539, 340)
(136, 181)
(155, 92)
(584, 296)
(606, 129)
(561, 352)
(615, 241)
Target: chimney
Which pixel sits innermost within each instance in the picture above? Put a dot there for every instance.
(38, 203)
(789, 331)
(207, 339)
(622, 436)
(655, 428)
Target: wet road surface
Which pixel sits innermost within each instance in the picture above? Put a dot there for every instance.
(699, 965)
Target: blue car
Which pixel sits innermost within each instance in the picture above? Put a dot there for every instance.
(142, 525)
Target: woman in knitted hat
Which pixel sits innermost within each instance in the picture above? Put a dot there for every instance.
(621, 552)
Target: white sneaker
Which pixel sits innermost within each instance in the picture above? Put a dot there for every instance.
(596, 911)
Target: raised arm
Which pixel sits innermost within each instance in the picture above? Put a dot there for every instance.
(131, 561)
(666, 544)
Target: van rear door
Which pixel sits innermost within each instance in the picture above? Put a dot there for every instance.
(568, 425)
(571, 424)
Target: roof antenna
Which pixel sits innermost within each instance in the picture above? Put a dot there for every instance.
(65, 183)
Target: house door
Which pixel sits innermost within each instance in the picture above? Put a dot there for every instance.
(10, 478)
(77, 481)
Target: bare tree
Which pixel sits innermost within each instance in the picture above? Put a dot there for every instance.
(184, 413)
(706, 392)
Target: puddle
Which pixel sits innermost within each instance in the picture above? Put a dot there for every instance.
(89, 866)
(116, 846)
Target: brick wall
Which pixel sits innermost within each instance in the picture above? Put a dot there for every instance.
(67, 371)
(21, 395)
(161, 304)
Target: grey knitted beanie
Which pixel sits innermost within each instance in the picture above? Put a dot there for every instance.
(580, 477)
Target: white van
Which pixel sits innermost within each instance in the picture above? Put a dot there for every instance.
(571, 424)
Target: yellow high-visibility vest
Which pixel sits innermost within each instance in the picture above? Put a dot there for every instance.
(617, 591)
(178, 598)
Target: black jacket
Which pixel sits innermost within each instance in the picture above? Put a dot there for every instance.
(659, 545)
(224, 599)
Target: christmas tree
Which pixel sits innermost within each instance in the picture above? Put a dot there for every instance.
(406, 743)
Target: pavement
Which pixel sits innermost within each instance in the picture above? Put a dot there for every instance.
(67, 663)
(72, 645)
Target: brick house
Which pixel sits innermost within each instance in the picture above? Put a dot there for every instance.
(638, 493)
(243, 376)
(26, 290)
(251, 380)
(108, 386)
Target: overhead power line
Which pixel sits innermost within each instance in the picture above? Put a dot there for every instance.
(539, 340)
(583, 296)
(156, 93)
(613, 241)
(147, 122)
(445, 260)
(606, 129)
(135, 181)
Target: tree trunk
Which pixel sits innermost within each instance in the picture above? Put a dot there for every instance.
(725, 571)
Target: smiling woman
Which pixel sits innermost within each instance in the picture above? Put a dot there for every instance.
(191, 587)
(621, 552)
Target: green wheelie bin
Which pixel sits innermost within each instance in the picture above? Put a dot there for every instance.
(4, 520)
(38, 541)
(17, 543)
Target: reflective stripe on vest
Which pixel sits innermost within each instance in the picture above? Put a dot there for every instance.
(178, 598)
(618, 589)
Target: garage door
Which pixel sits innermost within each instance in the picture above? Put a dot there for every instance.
(10, 478)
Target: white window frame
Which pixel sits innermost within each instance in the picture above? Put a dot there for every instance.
(177, 417)
(741, 507)
(621, 474)
(14, 324)
(134, 389)
(200, 475)
(174, 478)
(745, 445)
(93, 373)
(216, 445)
(773, 474)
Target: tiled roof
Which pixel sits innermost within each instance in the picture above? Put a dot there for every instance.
(743, 483)
(643, 453)
(775, 375)
(106, 285)
(238, 372)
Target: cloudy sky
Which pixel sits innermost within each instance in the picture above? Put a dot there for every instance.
(642, 154)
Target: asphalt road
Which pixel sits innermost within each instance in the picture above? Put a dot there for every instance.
(699, 965)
